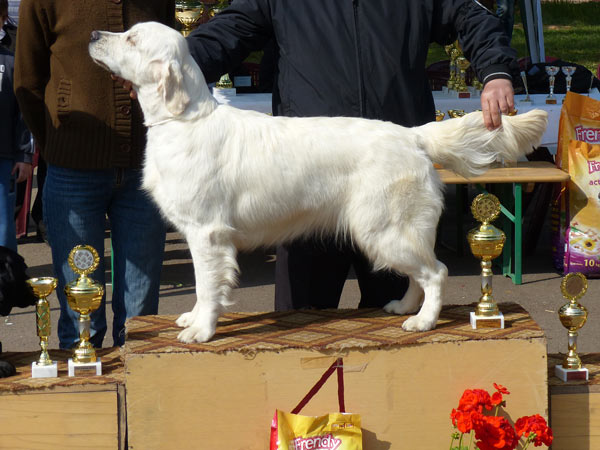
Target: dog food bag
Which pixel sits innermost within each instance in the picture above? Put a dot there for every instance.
(335, 431)
(582, 237)
(579, 121)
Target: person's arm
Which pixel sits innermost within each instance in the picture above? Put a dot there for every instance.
(485, 45)
(223, 43)
(32, 65)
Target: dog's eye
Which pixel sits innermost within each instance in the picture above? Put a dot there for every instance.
(130, 40)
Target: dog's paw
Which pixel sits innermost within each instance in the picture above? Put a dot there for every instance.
(400, 307)
(186, 319)
(418, 323)
(195, 334)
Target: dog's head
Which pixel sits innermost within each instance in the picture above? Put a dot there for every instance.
(150, 55)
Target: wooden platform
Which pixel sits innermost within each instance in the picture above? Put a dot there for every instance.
(575, 406)
(224, 393)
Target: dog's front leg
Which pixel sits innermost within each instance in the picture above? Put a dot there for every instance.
(215, 268)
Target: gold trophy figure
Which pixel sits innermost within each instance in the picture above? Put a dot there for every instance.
(551, 71)
(572, 316)
(451, 67)
(455, 113)
(189, 14)
(439, 115)
(486, 243)
(463, 64)
(84, 296)
(527, 98)
(42, 287)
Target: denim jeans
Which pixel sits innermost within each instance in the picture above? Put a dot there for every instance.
(76, 204)
(8, 231)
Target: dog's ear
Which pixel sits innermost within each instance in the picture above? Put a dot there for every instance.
(171, 88)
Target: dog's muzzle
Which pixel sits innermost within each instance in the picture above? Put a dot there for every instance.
(94, 36)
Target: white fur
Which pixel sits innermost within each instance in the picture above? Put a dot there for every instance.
(231, 179)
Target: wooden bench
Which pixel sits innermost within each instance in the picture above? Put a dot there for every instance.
(512, 202)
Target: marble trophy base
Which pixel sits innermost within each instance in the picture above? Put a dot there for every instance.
(47, 371)
(479, 322)
(571, 374)
(85, 369)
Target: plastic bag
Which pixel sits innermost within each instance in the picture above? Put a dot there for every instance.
(334, 431)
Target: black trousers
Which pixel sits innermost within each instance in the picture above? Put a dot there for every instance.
(311, 274)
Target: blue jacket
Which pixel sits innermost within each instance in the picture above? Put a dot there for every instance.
(15, 139)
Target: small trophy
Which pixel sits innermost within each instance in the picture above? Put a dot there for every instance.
(568, 71)
(572, 316)
(455, 113)
(42, 287)
(452, 52)
(527, 98)
(84, 296)
(486, 243)
(439, 115)
(189, 14)
(463, 64)
(551, 71)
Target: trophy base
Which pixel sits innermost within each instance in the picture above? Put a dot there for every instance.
(571, 374)
(525, 100)
(464, 95)
(551, 101)
(84, 369)
(479, 322)
(49, 371)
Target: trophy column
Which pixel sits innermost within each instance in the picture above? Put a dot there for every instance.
(572, 316)
(84, 296)
(42, 287)
(486, 243)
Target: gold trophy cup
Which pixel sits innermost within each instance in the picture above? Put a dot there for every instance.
(188, 13)
(84, 296)
(42, 287)
(572, 316)
(486, 243)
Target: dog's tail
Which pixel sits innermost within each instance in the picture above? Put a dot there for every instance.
(465, 146)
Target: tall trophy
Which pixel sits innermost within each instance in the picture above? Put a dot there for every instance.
(527, 98)
(188, 13)
(572, 316)
(84, 296)
(42, 287)
(552, 71)
(568, 71)
(486, 243)
(463, 64)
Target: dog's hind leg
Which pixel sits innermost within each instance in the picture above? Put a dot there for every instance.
(215, 269)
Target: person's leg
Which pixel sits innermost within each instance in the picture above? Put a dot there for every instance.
(138, 242)
(377, 288)
(37, 209)
(310, 274)
(8, 232)
(74, 204)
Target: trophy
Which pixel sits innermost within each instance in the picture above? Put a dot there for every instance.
(463, 64)
(551, 71)
(189, 14)
(84, 296)
(527, 99)
(42, 287)
(568, 71)
(454, 113)
(572, 316)
(452, 52)
(439, 115)
(486, 243)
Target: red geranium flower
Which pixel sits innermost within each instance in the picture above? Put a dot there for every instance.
(463, 420)
(501, 389)
(536, 424)
(495, 433)
(475, 399)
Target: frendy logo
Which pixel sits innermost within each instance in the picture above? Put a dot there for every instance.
(593, 166)
(327, 442)
(589, 135)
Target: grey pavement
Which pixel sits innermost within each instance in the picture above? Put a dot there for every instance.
(539, 294)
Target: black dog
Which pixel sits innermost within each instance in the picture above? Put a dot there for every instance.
(14, 291)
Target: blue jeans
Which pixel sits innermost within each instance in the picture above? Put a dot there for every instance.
(8, 231)
(76, 204)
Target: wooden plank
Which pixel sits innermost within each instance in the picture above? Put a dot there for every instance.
(575, 421)
(64, 420)
(523, 172)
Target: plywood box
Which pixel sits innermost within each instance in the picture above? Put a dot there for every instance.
(222, 395)
(63, 412)
(575, 407)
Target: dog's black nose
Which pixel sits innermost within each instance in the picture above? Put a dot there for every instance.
(95, 36)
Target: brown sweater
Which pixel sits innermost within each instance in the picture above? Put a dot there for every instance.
(79, 116)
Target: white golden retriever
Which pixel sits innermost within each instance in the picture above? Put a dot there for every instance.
(231, 179)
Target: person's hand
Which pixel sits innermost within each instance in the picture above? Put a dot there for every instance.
(127, 85)
(22, 171)
(497, 97)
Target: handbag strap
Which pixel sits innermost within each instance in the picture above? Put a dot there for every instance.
(337, 366)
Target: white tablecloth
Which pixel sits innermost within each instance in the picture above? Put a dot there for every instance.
(443, 102)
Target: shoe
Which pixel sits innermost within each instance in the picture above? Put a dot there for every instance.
(40, 232)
